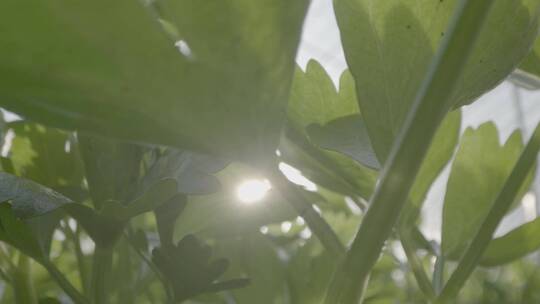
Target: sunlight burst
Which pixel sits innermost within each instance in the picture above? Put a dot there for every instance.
(252, 190)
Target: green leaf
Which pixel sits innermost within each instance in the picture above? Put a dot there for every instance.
(513, 245)
(432, 101)
(389, 45)
(19, 234)
(531, 63)
(316, 101)
(112, 168)
(347, 135)
(224, 214)
(192, 171)
(511, 190)
(103, 230)
(308, 273)
(478, 173)
(154, 197)
(110, 68)
(189, 270)
(47, 156)
(29, 199)
(255, 256)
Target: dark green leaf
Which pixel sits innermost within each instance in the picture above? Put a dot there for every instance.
(189, 270)
(156, 195)
(192, 171)
(531, 64)
(19, 234)
(347, 135)
(112, 168)
(29, 199)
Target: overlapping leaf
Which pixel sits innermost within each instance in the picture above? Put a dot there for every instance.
(389, 44)
(192, 171)
(29, 198)
(109, 67)
(314, 108)
(513, 245)
(478, 173)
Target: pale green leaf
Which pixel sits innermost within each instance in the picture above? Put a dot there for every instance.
(513, 245)
(389, 45)
(531, 63)
(479, 171)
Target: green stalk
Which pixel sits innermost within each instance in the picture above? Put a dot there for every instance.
(314, 221)
(102, 265)
(83, 273)
(417, 267)
(23, 284)
(432, 103)
(501, 206)
(61, 280)
(438, 274)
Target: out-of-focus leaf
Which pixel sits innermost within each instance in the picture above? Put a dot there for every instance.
(29, 199)
(47, 156)
(110, 68)
(49, 300)
(105, 225)
(478, 173)
(154, 197)
(19, 234)
(308, 274)
(531, 63)
(389, 45)
(254, 256)
(347, 135)
(513, 245)
(223, 213)
(190, 272)
(166, 216)
(112, 168)
(103, 230)
(192, 171)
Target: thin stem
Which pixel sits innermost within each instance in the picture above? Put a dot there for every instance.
(416, 267)
(501, 206)
(305, 209)
(101, 268)
(23, 284)
(61, 280)
(438, 274)
(433, 101)
(75, 238)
